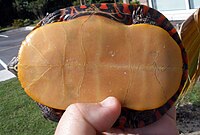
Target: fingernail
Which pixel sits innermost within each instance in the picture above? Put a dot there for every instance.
(110, 101)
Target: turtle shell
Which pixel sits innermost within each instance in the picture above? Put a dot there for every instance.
(93, 51)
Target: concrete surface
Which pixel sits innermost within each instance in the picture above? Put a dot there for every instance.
(9, 48)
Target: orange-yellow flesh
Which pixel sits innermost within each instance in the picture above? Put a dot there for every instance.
(90, 58)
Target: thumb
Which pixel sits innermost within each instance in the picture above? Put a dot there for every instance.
(89, 118)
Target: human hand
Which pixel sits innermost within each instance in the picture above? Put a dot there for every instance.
(96, 118)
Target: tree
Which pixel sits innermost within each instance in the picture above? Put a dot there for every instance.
(37, 7)
(7, 12)
(21, 6)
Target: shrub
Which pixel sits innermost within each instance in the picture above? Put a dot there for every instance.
(36, 21)
(18, 23)
(27, 22)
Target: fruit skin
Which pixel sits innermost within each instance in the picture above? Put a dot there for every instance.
(138, 14)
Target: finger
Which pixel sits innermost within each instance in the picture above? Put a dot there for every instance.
(87, 118)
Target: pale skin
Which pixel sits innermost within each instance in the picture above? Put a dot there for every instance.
(98, 118)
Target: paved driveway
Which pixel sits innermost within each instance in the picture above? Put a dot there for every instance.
(10, 42)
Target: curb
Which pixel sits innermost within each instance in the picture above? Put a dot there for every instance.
(29, 28)
(6, 75)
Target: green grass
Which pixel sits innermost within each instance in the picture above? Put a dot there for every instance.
(6, 28)
(193, 95)
(19, 115)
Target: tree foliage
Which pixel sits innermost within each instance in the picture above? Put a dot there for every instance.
(37, 9)
(7, 12)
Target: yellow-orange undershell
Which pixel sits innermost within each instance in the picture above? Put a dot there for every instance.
(91, 58)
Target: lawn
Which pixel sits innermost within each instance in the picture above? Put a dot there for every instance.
(20, 115)
(193, 95)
